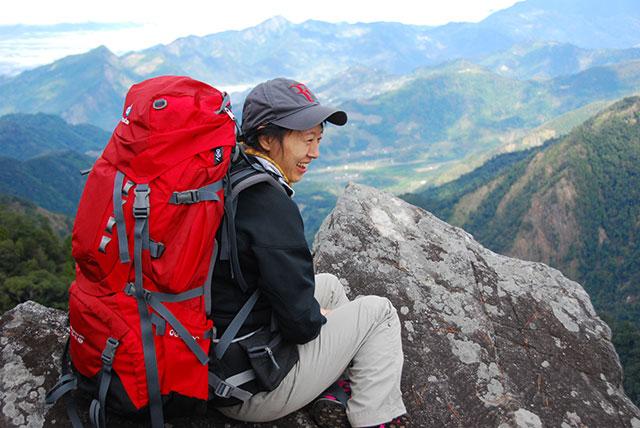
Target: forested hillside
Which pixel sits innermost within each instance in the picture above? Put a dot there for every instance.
(35, 255)
(24, 136)
(573, 204)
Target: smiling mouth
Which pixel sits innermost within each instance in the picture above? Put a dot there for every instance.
(303, 165)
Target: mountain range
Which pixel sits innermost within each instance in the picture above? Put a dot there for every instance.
(90, 87)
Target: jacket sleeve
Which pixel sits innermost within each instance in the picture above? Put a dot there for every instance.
(272, 224)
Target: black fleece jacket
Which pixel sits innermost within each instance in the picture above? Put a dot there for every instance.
(274, 257)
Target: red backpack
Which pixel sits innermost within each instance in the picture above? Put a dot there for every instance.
(144, 244)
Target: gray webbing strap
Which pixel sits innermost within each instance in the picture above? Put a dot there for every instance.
(155, 248)
(98, 407)
(141, 214)
(235, 325)
(209, 334)
(225, 102)
(207, 283)
(229, 388)
(146, 241)
(241, 378)
(129, 289)
(206, 193)
(160, 324)
(180, 297)
(254, 179)
(225, 252)
(119, 216)
(182, 332)
(237, 176)
(231, 244)
(65, 384)
(94, 414)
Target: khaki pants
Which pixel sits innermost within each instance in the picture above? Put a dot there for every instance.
(361, 337)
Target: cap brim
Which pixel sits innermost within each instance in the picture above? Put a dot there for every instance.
(311, 116)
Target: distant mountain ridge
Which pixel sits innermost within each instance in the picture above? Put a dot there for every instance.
(85, 88)
(89, 87)
(584, 23)
(547, 60)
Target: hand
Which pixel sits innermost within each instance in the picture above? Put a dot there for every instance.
(325, 311)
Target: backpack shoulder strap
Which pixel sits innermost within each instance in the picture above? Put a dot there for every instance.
(250, 180)
(238, 181)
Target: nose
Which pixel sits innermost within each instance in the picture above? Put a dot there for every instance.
(314, 150)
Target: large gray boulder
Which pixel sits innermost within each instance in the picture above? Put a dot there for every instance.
(489, 341)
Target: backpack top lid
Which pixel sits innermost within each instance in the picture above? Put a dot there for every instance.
(165, 120)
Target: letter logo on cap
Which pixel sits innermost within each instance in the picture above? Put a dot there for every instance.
(303, 90)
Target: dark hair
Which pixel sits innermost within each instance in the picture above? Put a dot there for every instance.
(251, 138)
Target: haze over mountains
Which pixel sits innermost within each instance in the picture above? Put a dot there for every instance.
(89, 87)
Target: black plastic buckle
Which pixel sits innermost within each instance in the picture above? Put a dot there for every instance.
(141, 203)
(109, 352)
(223, 389)
(130, 289)
(188, 197)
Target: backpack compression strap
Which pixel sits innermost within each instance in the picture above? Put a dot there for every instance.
(141, 215)
(119, 216)
(230, 387)
(67, 383)
(97, 411)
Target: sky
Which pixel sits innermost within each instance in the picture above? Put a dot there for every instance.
(154, 22)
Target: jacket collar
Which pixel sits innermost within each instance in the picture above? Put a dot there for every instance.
(270, 166)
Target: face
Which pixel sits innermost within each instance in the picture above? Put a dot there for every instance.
(297, 151)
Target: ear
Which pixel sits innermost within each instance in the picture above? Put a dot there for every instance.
(266, 143)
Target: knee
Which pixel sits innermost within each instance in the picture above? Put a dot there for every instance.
(381, 307)
(330, 281)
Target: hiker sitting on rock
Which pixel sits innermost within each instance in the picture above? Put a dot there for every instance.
(303, 335)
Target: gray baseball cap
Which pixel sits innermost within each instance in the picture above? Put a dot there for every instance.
(286, 103)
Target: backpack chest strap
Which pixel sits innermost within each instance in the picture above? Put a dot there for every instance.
(205, 193)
